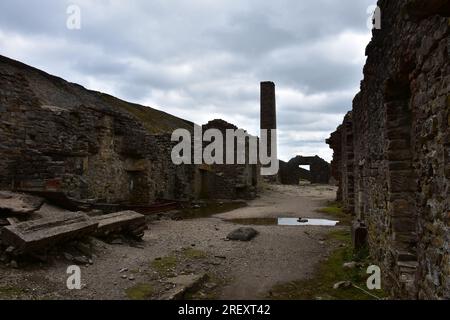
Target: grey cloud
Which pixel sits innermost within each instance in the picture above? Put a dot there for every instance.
(201, 59)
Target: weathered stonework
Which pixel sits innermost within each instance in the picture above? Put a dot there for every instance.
(230, 181)
(290, 173)
(391, 154)
(342, 165)
(59, 137)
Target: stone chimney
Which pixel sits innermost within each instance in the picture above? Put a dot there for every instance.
(268, 109)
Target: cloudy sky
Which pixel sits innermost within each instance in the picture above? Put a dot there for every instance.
(204, 59)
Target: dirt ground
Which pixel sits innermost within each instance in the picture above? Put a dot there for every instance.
(235, 270)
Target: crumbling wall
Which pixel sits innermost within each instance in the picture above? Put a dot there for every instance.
(59, 137)
(343, 163)
(401, 148)
(290, 173)
(232, 181)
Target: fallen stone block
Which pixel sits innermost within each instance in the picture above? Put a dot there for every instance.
(18, 203)
(128, 222)
(43, 233)
(242, 234)
(182, 285)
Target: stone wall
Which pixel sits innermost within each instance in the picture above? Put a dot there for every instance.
(391, 154)
(235, 180)
(290, 173)
(343, 163)
(59, 137)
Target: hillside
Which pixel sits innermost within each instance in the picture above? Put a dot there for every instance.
(54, 91)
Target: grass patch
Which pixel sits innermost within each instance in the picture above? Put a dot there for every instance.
(142, 291)
(191, 253)
(330, 272)
(165, 265)
(335, 210)
(155, 121)
(10, 292)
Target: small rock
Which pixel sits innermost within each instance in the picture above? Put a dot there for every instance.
(91, 261)
(68, 256)
(123, 270)
(117, 241)
(124, 276)
(131, 278)
(81, 260)
(211, 285)
(342, 285)
(349, 265)
(10, 250)
(220, 257)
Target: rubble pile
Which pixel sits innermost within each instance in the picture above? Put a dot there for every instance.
(25, 230)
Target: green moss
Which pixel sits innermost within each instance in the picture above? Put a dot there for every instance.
(191, 253)
(335, 210)
(165, 265)
(140, 291)
(342, 236)
(155, 121)
(10, 292)
(328, 273)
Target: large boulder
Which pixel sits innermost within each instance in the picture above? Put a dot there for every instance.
(243, 234)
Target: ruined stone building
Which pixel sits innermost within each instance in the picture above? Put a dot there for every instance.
(230, 181)
(58, 137)
(291, 173)
(392, 152)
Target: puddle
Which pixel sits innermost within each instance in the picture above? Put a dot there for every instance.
(210, 209)
(285, 222)
(306, 222)
(255, 221)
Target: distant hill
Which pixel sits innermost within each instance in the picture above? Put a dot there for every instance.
(54, 91)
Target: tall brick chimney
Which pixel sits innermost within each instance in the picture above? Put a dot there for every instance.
(268, 109)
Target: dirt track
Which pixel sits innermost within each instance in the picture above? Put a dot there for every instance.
(237, 270)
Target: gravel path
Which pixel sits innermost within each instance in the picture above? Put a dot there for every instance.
(241, 270)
